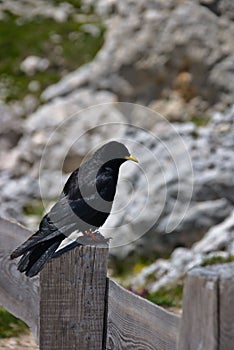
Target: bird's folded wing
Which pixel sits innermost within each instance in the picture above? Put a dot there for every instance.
(65, 217)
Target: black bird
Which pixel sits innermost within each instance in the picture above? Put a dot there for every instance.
(84, 204)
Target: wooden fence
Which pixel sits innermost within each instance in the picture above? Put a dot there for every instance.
(75, 306)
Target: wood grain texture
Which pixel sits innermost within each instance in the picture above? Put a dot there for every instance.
(18, 293)
(199, 326)
(208, 309)
(136, 324)
(226, 305)
(12, 234)
(72, 300)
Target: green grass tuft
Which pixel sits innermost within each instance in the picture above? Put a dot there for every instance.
(170, 296)
(131, 265)
(34, 208)
(200, 120)
(217, 260)
(10, 326)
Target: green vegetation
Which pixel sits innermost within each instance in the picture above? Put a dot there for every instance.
(34, 208)
(217, 260)
(132, 265)
(66, 45)
(151, 278)
(200, 120)
(10, 326)
(170, 296)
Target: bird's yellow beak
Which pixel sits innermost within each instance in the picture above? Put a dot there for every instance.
(131, 158)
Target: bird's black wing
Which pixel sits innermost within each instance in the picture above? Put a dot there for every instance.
(71, 188)
(54, 228)
(48, 228)
(65, 217)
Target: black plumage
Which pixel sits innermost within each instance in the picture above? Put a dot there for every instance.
(84, 204)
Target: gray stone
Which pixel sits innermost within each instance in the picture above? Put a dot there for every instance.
(15, 193)
(33, 64)
(218, 242)
(222, 76)
(10, 128)
(219, 238)
(190, 55)
(220, 7)
(32, 8)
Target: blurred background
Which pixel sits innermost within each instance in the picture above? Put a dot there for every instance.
(175, 57)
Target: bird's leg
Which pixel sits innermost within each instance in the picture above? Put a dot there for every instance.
(96, 236)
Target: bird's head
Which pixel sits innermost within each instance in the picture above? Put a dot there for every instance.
(114, 153)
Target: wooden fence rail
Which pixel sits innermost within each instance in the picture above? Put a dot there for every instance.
(77, 307)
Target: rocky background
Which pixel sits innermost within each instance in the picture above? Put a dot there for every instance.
(176, 57)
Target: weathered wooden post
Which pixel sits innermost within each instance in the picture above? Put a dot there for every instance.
(73, 300)
(208, 309)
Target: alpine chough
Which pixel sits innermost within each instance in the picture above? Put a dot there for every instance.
(84, 205)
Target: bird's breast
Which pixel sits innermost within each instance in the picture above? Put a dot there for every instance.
(106, 187)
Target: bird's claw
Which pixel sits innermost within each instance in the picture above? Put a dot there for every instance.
(96, 236)
(93, 238)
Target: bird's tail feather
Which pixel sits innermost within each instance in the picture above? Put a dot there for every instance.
(34, 259)
(43, 254)
(24, 261)
(27, 245)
